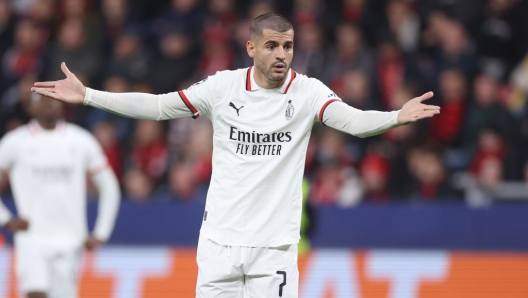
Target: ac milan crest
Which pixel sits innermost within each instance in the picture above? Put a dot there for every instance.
(289, 110)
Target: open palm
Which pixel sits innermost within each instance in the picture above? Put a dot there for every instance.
(414, 109)
(69, 90)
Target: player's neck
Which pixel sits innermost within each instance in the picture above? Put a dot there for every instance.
(48, 124)
(263, 82)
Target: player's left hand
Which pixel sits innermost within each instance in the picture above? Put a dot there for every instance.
(17, 224)
(414, 109)
(92, 243)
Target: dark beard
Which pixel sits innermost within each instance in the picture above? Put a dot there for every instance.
(261, 66)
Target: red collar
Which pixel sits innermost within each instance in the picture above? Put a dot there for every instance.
(252, 86)
(35, 128)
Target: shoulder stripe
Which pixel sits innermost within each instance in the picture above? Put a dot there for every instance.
(293, 75)
(98, 169)
(186, 101)
(324, 108)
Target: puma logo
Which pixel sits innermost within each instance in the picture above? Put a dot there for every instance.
(237, 109)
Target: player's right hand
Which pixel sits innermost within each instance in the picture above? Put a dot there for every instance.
(17, 224)
(69, 90)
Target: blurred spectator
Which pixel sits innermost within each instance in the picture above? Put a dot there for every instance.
(149, 149)
(24, 56)
(182, 182)
(457, 50)
(42, 12)
(218, 53)
(240, 38)
(307, 11)
(117, 15)
(375, 176)
(175, 64)
(189, 176)
(312, 56)
(198, 149)
(447, 127)
(82, 10)
(334, 179)
(486, 112)
(184, 16)
(130, 59)
(404, 24)
(499, 47)
(390, 68)
(479, 188)
(356, 90)
(448, 46)
(431, 36)
(7, 26)
(353, 10)
(14, 104)
(72, 48)
(516, 101)
(106, 134)
(137, 186)
(219, 21)
(490, 146)
(351, 53)
(429, 176)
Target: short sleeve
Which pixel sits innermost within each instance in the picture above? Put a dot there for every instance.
(7, 152)
(199, 97)
(322, 96)
(95, 158)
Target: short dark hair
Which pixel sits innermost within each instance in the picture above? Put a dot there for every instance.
(271, 21)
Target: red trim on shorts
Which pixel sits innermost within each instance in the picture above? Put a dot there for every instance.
(293, 75)
(186, 101)
(324, 108)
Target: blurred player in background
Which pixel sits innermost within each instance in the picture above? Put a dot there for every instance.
(262, 118)
(47, 162)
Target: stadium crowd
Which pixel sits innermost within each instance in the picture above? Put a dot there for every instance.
(374, 54)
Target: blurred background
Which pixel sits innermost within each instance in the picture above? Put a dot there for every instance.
(432, 209)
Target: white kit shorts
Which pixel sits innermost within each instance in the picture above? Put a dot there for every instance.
(250, 272)
(43, 269)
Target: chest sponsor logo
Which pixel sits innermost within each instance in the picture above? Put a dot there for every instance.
(234, 107)
(51, 174)
(289, 110)
(254, 143)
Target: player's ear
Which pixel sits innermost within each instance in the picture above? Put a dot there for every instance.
(250, 47)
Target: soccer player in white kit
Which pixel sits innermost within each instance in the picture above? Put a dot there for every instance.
(48, 161)
(262, 118)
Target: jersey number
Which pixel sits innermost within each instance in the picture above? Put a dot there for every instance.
(283, 273)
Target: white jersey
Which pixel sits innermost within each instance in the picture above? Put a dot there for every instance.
(47, 171)
(260, 142)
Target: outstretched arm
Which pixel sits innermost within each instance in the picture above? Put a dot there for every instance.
(133, 105)
(347, 119)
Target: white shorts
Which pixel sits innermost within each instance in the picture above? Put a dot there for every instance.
(43, 269)
(250, 272)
